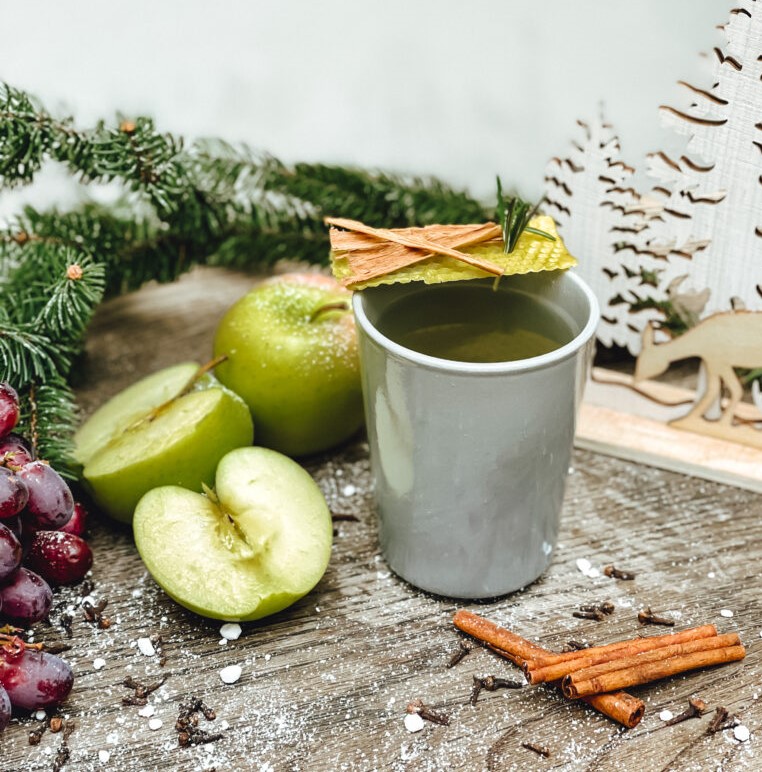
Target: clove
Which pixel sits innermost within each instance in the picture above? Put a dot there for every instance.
(539, 749)
(462, 650)
(721, 720)
(66, 620)
(491, 684)
(696, 708)
(57, 647)
(188, 730)
(36, 734)
(417, 706)
(94, 613)
(647, 617)
(616, 573)
(141, 690)
(596, 611)
(574, 645)
(62, 757)
(158, 645)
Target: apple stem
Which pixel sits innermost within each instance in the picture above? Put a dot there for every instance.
(337, 305)
(198, 375)
(187, 389)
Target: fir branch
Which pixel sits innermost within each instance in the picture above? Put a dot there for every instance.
(27, 135)
(25, 354)
(207, 203)
(73, 293)
(48, 420)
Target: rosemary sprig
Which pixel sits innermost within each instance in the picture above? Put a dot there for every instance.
(514, 215)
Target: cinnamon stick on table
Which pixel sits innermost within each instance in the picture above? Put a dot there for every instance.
(579, 685)
(619, 706)
(656, 655)
(633, 645)
(653, 649)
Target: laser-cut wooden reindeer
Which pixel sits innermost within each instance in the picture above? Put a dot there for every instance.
(723, 341)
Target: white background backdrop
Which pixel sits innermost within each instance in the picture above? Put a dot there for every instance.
(463, 90)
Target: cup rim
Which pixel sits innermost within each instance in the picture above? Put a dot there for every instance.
(486, 368)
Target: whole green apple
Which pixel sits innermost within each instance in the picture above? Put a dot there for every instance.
(253, 546)
(172, 427)
(291, 350)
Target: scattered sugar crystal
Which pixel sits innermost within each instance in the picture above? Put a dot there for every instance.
(413, 722)
(741, 733)
(137, 593)
(231, 631)
(222, 642)
(584, 565)
(710, 575)
(147, 711)
(104, 756)
(349, 490)
(155, 723)
(40, 715)
(224, 725)
(230, 674)
(112, 738)
(87, 599)
(726, 612)
(666, 715)
(146, 647)
(268, 656)
(99, 663)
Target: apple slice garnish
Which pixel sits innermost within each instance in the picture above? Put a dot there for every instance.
(254, 546)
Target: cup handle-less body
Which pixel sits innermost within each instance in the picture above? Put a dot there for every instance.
(470, 460)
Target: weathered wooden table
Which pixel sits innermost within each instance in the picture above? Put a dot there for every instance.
(325, 683)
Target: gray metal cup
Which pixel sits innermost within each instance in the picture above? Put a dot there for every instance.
(470, 460)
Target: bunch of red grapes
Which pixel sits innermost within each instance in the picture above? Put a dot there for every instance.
(41, 544)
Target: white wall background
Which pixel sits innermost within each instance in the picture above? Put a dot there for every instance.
(463, 90)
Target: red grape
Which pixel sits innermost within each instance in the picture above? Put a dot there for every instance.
(26, 597)
(9, 409)
(14, 451)
(34, 679)
(78, 521)
(5, 708)
(13, 493)
(59, 558)
(10, 552)
(50, 504)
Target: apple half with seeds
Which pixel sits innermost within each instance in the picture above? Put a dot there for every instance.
(252, 547)
(170, 428)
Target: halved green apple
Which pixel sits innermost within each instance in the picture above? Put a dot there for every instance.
(159, 432)
(254, 546)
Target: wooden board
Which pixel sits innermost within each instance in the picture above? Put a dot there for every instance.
(325, 683)
(632, 421)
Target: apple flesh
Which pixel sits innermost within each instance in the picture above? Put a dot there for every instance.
(256, 545)
(147, 436)
(291, 349)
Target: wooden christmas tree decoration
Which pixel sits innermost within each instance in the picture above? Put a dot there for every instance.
(590, 196)
(683, 258)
